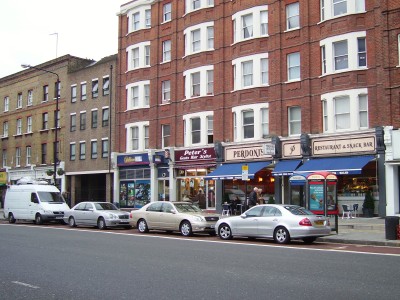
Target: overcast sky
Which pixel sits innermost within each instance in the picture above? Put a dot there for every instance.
(86, 28)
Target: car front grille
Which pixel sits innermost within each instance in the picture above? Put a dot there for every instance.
(124, 217)
(58, 213)
(212, 218)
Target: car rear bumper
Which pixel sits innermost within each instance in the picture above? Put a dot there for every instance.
(307, 231)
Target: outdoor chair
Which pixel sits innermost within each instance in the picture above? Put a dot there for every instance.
(347, 211)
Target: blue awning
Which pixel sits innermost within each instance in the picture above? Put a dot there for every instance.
(286, 167)
(234, 171)
(336, 165)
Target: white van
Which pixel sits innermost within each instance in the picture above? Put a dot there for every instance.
(36, 202)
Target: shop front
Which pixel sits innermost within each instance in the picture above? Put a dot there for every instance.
(245, 168)
(134, 180)
(392, 170)
(353, 160)
(191, 167)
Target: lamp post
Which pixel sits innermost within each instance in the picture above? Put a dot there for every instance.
(55, 118)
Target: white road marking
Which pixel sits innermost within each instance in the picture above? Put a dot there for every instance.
(26, 284)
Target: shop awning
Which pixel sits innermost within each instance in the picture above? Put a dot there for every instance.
(336, 165)
(234, 171)
(286, 167)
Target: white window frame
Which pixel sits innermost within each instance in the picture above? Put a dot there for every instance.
(166, 48)
(187, 120)
(237, 112)
(143, 21)
(204, 81)
(189, 7)
(352, 52)
(72, 151)
(29, 124)
(138, 56)
(5, 129)
(237, 22)
(29, 100)
(203, 43)
(294, 123)
(354, 95)
(19, 100)
(140, 138)
(142, 102)
(165, 136)
(6, 103)
(167, 12)
(257, 70)
(4, 156)
(293, 66)
(19, 126)
(82, 150)
(18, 156)
(28, 155)
(293, 16)
(166, 91)
(74, 93)
(352, 7)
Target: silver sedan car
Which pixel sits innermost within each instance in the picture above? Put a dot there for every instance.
(100, 214)
(278, 221)
(184, 217)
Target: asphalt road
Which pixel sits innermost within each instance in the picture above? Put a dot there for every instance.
(61, 263)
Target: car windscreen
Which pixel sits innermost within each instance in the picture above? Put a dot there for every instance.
(51, 197)
(105, 206)
(187, 207)
(298, 210)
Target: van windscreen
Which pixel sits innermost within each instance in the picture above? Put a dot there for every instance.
(51, 197)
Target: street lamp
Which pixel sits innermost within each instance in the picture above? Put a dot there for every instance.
(55, 118)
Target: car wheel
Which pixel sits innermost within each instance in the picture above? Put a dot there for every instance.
(101, 224)
(225, 232)
(186, 228)
(142, 226)
(281, 235)
(71, 222)
(309, 240)
(38, 219)
(11, 219)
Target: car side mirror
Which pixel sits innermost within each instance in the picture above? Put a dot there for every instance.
(243, 216)
(173, 211)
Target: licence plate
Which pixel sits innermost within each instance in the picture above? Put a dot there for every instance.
(319, 222)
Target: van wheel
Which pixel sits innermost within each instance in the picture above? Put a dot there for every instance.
(11, 219)
(38, 219)
(101, 224)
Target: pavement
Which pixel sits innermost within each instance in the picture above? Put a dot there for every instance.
(359, 231)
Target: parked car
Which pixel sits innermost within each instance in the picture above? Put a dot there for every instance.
(184, 217)
(100, 214)
(278, 221)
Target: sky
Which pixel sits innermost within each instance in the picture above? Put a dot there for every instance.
(35, 31)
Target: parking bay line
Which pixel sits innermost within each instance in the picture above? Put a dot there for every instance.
(26, 284)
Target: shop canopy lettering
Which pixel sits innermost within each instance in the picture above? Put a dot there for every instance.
(344, 146)
(244, 153)
(195, 154)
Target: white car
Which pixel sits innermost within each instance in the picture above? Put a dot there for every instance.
(278, 221)
(184, 217)
(100, 214)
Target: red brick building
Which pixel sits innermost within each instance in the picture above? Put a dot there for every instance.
(313, 79)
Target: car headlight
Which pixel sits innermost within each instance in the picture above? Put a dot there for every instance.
(113, 216)
(199, 218)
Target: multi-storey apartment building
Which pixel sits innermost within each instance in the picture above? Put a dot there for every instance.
(89, 131)
(213, 92)
(27, 118)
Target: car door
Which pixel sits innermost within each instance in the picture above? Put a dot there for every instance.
(78, 213)
(248, 226)
(268, 220)
(153, 214)
(90, 214)
(167, 217)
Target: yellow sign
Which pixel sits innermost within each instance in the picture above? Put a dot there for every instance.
(3, 177)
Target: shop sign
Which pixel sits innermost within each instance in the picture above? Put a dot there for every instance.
(291, 149)
(246, 153)
(134, 159)
(344, 146)
(194, 155)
